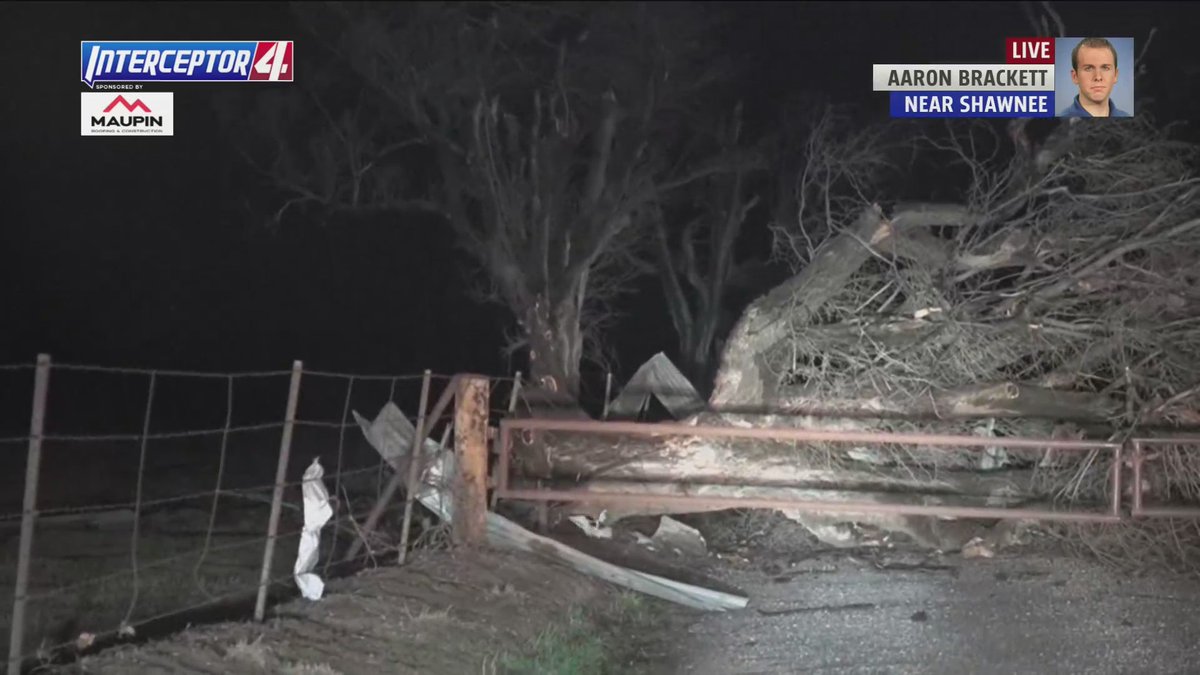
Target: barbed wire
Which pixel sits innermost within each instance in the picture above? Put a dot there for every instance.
(137, 509)
(164, 372)
(158, 435)
(212, 515)
(337, 479)
(166, 501)
(444, 417)
(376, 378)
(222, 598)
(258, 539)
(212, 547)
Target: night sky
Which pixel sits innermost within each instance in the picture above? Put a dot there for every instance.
(142, 251)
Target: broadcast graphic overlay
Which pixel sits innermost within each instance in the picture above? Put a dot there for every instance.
(1027, 84)
(117, 74)
(1087, 77)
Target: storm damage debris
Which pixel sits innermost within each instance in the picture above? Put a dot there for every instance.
(660, 379)
(390, 434)
(317, 512)
(673, 535)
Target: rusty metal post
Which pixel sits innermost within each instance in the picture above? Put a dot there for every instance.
(33, 462)
(504, 446)
(471, 452)
(285, 453)
(416, 459)
(607, 393)
(1117, 484)
(515, 393)
(1138, 457)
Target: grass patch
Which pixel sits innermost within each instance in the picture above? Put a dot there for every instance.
(589, 642)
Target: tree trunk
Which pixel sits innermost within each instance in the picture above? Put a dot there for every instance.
(744, 377)
(582, 456)
(555, 345)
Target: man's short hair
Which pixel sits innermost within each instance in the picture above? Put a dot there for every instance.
(1093, 43)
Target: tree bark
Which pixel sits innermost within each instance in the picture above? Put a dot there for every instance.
(614, 511)
(581, 456)
(998, 399)
(555, 345)
(744, 376)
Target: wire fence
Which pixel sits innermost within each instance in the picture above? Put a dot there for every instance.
(165, 497)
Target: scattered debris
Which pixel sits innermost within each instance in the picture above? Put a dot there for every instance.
(673, 535)
(594, 529)
(659, 378)
(977, 548)
(386, 435)
(317, 512)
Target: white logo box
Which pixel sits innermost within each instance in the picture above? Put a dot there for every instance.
(127, 113)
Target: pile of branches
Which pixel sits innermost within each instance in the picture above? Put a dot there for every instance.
(1059, 286)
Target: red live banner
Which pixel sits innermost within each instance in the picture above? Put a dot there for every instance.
(1026, 51)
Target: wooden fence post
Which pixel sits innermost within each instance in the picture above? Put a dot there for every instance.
(471, 452)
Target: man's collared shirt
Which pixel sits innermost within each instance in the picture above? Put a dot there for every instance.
(1076, 110)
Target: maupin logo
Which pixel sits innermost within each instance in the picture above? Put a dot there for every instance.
(136, 105)
(147, 114)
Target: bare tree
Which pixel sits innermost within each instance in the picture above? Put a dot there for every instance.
(541, 134)
(697, 255)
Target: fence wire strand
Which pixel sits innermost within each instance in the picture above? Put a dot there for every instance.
(248, 592)
(212, 516)
(117, 370)
(337, 479)
(145, 564)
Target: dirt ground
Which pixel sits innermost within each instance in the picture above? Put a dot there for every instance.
(1031, 609)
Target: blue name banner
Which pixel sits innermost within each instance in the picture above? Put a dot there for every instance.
(936, 104)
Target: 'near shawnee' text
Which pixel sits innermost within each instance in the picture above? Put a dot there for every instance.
(966, 104)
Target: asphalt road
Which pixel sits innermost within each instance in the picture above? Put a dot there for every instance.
(1013, 614)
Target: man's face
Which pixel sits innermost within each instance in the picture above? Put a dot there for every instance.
(1095, 73)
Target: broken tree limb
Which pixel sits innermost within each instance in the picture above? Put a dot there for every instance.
(1003, 399)
(744, 377)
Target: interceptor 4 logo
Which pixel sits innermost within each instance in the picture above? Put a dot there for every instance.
(262, 61)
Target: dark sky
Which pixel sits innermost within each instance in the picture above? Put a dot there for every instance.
(139, 251)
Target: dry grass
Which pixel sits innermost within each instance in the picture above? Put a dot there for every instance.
(253, 653)
(308, 669)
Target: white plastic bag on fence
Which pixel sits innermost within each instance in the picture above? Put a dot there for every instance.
(317, 512)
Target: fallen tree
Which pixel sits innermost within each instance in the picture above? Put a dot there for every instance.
(1058, 297)
(1062, 287)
